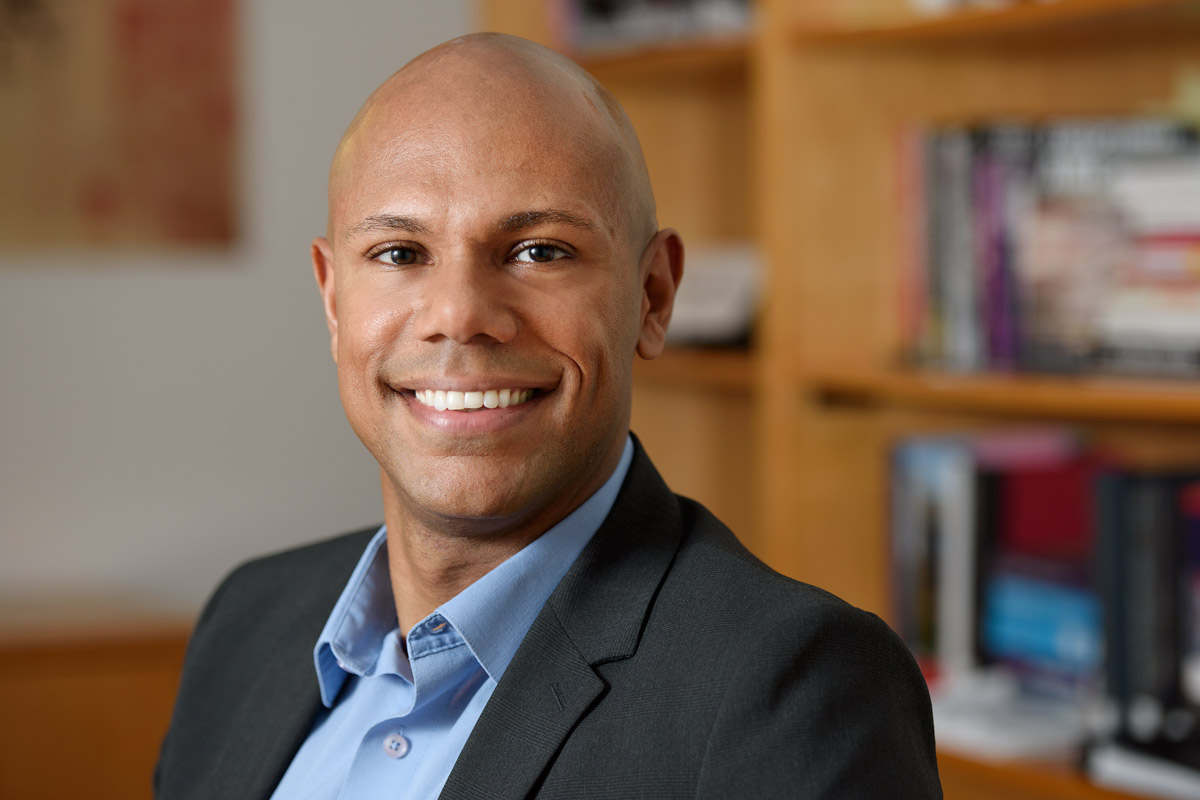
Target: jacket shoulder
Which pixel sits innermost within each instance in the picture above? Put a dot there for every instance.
(246, 689)
(714, 559)
(823, 671)
(265, 583)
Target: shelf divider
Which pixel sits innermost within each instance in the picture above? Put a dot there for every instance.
(982, 22)
(1066, 397)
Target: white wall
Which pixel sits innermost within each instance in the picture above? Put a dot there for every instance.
(165, 415)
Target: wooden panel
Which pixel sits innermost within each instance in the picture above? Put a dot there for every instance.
(694, 130)
(703, 443)
(966, 779)
(833, 530)
(527, 18)
(724, 369)
(85, 717)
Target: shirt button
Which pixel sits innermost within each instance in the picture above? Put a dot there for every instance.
(395, 746)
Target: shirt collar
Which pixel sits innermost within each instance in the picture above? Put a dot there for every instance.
(492, 615)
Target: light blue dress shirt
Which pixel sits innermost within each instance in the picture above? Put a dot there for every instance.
(394, 724)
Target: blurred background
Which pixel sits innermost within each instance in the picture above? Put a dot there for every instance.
(938, 347)
(170, 407)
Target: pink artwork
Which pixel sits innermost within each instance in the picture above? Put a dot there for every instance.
(117, 123)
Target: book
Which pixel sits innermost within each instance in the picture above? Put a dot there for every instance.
(1140, 558)
(1003, 198)
(932, 558)
(956, 499)
(952, 251)
(1038, 603)
(1064, 247)
(597, 25)
(989, 592)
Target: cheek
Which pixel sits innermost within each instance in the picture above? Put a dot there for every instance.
(367, 336)
(369, 325)
(600, 335)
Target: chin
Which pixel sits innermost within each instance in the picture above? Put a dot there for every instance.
(481, 499)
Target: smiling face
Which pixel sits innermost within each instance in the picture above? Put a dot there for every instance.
(489, 274)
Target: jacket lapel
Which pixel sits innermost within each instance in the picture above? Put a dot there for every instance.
(595, 615)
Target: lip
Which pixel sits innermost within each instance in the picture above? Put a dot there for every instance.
(473, 383)
(476, 421)
(473, 422)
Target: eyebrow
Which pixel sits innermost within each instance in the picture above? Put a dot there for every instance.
(529, 219)
(511, 224)
(385, 222)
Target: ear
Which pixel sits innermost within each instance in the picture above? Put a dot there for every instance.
(322, 259)
(662, 272)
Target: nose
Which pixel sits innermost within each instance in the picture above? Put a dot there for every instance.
(465, 301)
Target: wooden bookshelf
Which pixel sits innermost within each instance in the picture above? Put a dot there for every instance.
(791, 137)
(852, 82)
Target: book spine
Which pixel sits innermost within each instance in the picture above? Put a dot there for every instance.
(956, 253)
(917, 333)
(1112, 577)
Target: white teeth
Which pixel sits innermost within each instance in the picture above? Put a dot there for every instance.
(451, 400)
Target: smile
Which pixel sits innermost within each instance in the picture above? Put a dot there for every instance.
(469, 401)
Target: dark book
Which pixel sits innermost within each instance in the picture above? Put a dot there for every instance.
(1147, 530)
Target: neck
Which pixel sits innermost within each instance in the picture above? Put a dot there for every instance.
(431, 564)
(431, 559)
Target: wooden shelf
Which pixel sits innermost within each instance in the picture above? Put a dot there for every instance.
(1014, 779)
(1083, 398)
(974, 24)
(723, 369)
(729, 53)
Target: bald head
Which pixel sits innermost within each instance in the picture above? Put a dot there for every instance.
(492, 233)
(493, 90)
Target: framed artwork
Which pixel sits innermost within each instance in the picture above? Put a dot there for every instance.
(118, 123)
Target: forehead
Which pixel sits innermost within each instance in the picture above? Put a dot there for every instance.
(469, 154)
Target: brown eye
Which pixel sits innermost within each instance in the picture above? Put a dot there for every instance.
(540, 253)
(399, 256)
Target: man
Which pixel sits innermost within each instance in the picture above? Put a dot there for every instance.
(539, 616)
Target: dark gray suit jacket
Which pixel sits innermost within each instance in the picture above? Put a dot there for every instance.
(668, 663)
